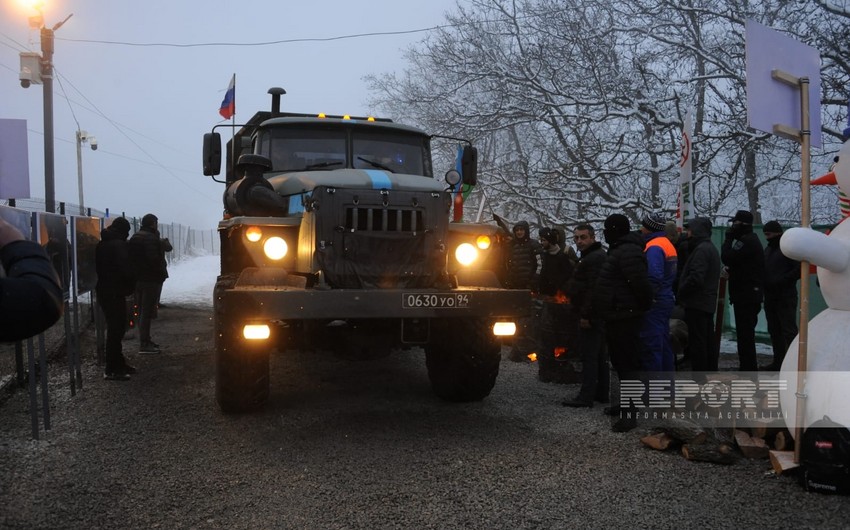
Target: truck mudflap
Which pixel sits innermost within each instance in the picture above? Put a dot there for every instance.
(295, 303)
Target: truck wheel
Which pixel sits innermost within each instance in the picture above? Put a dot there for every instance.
(241, 372)
(463, 361)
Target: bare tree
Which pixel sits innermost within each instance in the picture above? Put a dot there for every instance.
(577, 105)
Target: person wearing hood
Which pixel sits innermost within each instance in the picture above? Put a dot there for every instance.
(522, 259)
(522, 274)
(781, 274)
(147, 254)
(743, 256)
(662, 264)
(698, 284)
(115, 282)
(30, 293)
(622, 296)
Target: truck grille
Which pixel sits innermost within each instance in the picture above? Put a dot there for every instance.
(381, 219)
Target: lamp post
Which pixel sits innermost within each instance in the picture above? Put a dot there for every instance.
(47, 92)
(82, 138)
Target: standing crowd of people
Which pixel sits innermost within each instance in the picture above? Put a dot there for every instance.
(134, 267)
(615, 305)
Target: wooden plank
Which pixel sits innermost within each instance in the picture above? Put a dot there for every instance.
(767, 429)
(782, 461)
(751, 447)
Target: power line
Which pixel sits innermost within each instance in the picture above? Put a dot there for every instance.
(266, 43)
(120, 129)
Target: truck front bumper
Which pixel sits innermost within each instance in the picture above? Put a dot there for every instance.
(295, 303)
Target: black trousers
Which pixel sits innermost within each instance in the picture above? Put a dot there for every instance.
(781, 314)
(114, 308)
(595, 379)
(147, 296)
(746, 318)
(702, 347)
(624, 349)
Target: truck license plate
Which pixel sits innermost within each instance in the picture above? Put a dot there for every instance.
(437, 301)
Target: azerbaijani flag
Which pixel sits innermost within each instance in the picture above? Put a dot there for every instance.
(228, 104)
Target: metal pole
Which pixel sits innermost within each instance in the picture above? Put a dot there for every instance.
(80, 170)
(47, 80)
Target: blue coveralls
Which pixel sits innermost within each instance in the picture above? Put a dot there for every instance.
(661, 261)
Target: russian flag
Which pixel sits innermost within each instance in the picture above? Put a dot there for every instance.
(228, 104)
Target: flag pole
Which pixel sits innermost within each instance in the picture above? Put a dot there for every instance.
(233, 128)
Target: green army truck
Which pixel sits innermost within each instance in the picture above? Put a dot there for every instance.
(337, 237)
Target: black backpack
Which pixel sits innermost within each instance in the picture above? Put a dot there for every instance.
(825, 457)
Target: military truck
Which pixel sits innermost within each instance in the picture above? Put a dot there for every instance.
(336, 237)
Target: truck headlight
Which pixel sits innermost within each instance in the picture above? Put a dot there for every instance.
(504, 329)
(483, 242)
(256, 331)
(466, 254)
(275, 248)
(253, 234)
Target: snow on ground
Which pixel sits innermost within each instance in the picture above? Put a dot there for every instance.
(191, 281)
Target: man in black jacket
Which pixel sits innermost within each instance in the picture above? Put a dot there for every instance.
(148, 257)
(591, 339)
(621, 297)
(115, 282)
(698, 294)
(30, 294)
(743, 256)
(781, 274)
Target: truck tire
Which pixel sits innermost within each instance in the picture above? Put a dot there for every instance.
(241, 372)
(463, 361)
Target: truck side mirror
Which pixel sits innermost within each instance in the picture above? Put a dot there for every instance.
(212, 154)
(469, 165)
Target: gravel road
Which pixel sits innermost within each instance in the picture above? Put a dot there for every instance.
(347, 444)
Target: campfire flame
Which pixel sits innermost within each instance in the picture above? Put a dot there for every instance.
(532, 357)
(561, 298)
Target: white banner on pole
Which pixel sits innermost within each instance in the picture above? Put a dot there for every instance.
(686, 209)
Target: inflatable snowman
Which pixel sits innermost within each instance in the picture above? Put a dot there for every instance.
(827, 384)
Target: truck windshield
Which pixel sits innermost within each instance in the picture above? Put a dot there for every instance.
(303, 149)
(396, 153)
(306, 149)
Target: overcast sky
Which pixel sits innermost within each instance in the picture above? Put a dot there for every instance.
(149, 106)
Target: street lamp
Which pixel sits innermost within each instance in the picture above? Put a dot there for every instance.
(46, 76)
(82, 138)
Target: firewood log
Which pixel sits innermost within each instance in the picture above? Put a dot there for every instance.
(709, 452)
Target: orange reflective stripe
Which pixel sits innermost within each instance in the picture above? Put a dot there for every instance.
(665, 245)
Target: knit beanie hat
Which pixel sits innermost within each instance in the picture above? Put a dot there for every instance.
(654, 222)
(616, 226)
(550, 235)
(772, 227)
(743, 216)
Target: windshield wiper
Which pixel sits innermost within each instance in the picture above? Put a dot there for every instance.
(375, 164)
(319, 165)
